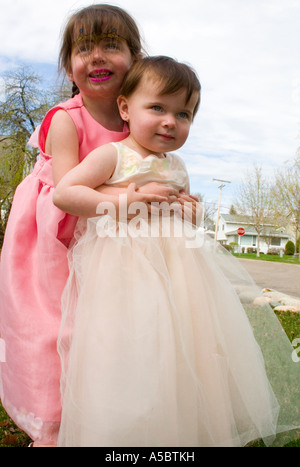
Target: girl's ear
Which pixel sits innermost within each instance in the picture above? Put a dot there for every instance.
(123, 108)
(70, 76)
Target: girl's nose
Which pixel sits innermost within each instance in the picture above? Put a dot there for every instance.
(98, 55)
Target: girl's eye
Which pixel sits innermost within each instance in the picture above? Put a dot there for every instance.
(110, 44)
(106, 45)
(85, 47)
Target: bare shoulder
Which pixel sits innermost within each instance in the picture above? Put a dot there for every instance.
(61, 122)
(62, 129)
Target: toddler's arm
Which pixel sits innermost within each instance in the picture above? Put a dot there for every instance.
(76, 191)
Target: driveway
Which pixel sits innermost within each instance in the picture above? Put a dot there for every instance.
(284, 278)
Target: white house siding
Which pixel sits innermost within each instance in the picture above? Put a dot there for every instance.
(227, 233)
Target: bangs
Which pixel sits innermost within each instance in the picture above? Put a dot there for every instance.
(99, 20)
(96, 21)
(173, 77)
(167, 74)
(96, 25)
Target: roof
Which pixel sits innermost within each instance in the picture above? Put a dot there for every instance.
(239, 219)
(251, 231)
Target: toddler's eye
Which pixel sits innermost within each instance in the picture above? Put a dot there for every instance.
(157, 108)
(183, 115)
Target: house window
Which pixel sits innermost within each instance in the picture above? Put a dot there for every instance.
(275, 241)
(248, 240)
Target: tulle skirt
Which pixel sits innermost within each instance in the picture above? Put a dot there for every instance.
(162, 345)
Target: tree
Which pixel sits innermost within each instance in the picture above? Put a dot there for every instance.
(287, 194)
(208, 213)
(232, 210)
(255, 200)
(22, 109)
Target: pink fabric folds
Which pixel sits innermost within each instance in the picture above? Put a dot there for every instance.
(33, 273)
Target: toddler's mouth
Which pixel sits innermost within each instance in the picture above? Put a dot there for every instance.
(166, 136)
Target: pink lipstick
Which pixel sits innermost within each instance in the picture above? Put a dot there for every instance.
(100, 75)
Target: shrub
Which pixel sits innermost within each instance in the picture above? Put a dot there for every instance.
(227, 247)
(233, 246)
(273, 251)
(289, 248)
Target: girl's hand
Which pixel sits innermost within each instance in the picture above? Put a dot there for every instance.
(147, 196)
(156, 188)
(138, 202)
(169, 194)
(191, 208)
(149, 193)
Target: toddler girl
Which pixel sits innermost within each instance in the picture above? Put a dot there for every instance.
(156, 346)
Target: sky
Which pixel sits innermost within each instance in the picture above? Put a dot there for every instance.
(245, 52)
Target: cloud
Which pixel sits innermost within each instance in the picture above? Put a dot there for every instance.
(245, 53)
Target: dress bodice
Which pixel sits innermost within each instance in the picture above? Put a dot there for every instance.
(132, 167)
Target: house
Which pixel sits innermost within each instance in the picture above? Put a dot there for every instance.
(271, 236)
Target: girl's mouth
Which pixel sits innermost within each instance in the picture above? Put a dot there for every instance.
(100, 75)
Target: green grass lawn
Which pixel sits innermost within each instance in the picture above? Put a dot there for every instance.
(285, 258)
(10, 434)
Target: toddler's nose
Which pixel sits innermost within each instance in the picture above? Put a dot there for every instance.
(169, 120)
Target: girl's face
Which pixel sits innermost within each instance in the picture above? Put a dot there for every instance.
(98, 65)
(157, 123)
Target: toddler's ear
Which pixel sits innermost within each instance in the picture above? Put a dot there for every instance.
(123, 108)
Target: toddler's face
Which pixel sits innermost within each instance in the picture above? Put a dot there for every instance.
(158, 123)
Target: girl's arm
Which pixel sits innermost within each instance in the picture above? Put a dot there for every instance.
(75, 193)
(191, 208)
(151, 188)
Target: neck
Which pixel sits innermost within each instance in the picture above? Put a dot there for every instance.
(105, 112)
(144, 152)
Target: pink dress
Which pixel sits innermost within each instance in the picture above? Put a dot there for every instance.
(33, 273)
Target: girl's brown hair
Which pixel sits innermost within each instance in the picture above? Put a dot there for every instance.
(171, 75)
(95, 20)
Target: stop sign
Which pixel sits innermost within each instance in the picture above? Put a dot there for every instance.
(241, 231)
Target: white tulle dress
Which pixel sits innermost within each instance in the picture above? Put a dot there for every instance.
(157, 338)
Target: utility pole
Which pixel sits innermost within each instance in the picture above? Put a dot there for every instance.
(219, 204)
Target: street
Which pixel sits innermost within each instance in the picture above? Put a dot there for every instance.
(284, 278)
